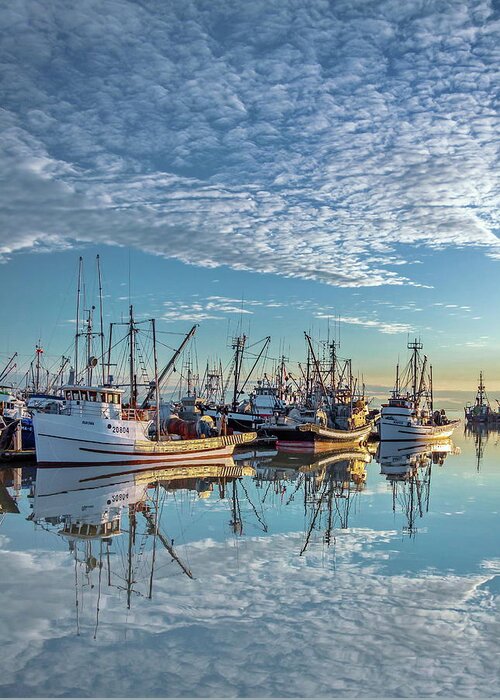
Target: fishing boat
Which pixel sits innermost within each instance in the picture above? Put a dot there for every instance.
(14, 417)
(335, 411)
(409, 414)
(480, 412)
(11, 407)
(313, 434)
(92, 427)
(270, 396)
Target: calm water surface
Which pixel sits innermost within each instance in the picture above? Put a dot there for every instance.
(274, 575)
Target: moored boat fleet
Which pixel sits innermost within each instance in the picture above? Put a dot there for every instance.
(107, 408)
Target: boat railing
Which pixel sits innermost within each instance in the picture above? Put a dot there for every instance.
(142, 414)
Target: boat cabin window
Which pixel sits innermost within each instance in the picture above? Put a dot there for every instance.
(93, 396)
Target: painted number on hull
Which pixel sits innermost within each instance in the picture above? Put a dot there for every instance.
(119, 497)
(118, 428)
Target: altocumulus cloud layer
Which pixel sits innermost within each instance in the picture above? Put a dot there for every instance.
(304, 138)
(258, 622)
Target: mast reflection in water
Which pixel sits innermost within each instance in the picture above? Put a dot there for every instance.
(87, 507)
(481, 433)
(193, 570)
(407, 467)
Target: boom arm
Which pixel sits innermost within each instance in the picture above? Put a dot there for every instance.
(168, 367)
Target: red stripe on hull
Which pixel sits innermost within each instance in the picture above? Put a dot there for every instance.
(157, 455)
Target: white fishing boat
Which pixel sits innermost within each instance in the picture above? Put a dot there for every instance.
(409, 414)
(93, 428)
(11, 407)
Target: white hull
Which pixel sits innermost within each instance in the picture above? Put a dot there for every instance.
(70, 440)
(390, 429)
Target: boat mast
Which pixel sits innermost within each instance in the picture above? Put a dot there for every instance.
(431, 389)
(58, 376)
(421, 382)
(282, 380)
(163, 373)
(101, 321)
(89, 345)
(308, 374)
(38, 352)
(316, 365)
(238, 347)
(481, 390)
(133, 387)
(352, 383)
(108, 379)
(264, 347)
(77, 334)
(333, 359)
(415, 347)
(157, 384)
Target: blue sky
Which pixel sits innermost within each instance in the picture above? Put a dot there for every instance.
(314, 158)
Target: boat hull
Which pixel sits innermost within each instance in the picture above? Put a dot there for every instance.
(70, 441)
(241, 422)
(311, 437)
(392, 431)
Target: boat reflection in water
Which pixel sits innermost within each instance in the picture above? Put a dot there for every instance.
(10, 480)
(86, 507)
(408, 468)
(328, 485)
(15, 483)
(481, 433)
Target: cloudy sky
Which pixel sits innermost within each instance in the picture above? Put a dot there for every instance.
(315, 159)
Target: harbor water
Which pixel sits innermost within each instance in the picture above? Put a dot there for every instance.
(365, 573)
